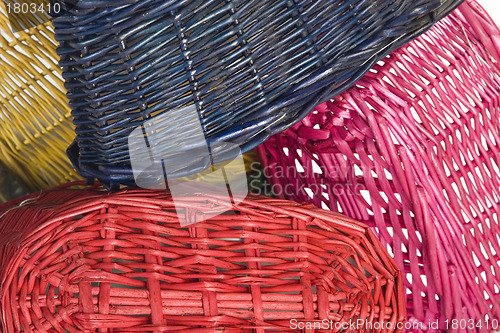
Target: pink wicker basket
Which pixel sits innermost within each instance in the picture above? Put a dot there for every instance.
(413, 151)
(84, 260)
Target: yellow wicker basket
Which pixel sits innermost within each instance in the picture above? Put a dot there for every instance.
(35, 124)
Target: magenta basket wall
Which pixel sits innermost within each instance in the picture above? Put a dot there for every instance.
(413, 150)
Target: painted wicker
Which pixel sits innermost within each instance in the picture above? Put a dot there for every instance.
(35, 124)
(85, 260)
(413, 151)
(251, 68)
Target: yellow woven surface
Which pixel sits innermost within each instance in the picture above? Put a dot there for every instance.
(35, 124)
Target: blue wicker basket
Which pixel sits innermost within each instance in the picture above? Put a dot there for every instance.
(252, 68)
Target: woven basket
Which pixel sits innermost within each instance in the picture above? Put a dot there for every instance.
(85, 260)
(413, 151)
(35, 125)
(250, 68)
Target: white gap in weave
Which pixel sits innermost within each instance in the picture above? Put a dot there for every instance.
(483, 250)
(419, 254)
(424, 279)
(426, 82)
(474, 214)
(357, 170)
(472, 180)
(390, 230)
(478, 173)
(339, 208)
(299, 152)
(316, 126)
(415, 114)
(446, 169)
(384, 196)
(443, 125)
(443, 145)
(477, 93)
(398, 197)
(419, 235)
(462, 158)
(298, 166)
(286, 151)
(486, 296)
(408, 59)
(401, 66)
(457, 75)
(492, 137)
(492, 268)
(389, 250)
(446, 195)
(450, 81)
(465, 216)
(405, 233)
(316, 168)
(484, 142)
(443, 88)
(434, 129)
(456, 190)
(403, 248)
(476, 259)
(366, 195)
(388, 81)
(464, 109)
(316, 156)
(496, 289)
(421, 45)
(411, 50)
(443, 60)
(463, 240)
(309, 192)
(488, 225)
(324, 206)
(393, 137)
(480, 206)
(388, 175)
(393, 71)
(409, 277)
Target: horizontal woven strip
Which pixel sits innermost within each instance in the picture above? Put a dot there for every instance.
(413, 150)
(87, 260)
(251, 68)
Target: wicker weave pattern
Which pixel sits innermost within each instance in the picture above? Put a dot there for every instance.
(252, 68)
(413, 150)
(87, 260)
(35, 125)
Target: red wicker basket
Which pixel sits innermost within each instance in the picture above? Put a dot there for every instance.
(413, 150)
(76, 260)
